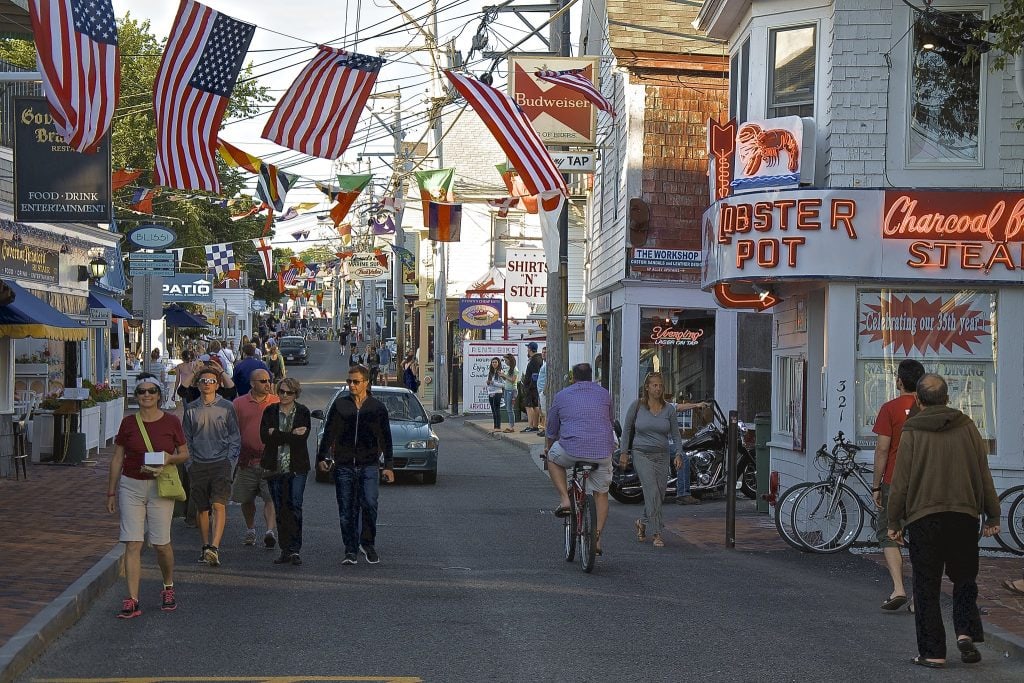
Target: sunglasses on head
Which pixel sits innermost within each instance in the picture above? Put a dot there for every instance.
(208, 380)
(287, 392)
(140, 391)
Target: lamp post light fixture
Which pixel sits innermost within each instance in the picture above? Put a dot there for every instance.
(98, 267)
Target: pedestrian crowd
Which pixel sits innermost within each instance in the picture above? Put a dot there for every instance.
(243, 435)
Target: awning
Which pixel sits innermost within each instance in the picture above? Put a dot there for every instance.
(97, 300)
(175, 316)
(30, 316)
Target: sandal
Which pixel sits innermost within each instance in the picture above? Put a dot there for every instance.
(1009, 585)
(641, 531)
(508, 431)
(968, 653)
(921, 661)
(894, 603)
(658, 542)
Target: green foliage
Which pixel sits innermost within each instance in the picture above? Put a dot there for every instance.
(320, 253)
(1005, 31)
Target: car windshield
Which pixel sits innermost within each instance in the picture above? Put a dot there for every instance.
(401, 407)
(292, 342)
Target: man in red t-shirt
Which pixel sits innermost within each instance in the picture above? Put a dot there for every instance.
(888, 427)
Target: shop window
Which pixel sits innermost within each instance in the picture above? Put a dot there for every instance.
(680, 344)
(945, 93)
(790, 405)
(791, 62)
(952, 333)
(739, 82)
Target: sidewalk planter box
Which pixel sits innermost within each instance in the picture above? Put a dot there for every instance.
(111, 414)
(42, 435)
(89, 424)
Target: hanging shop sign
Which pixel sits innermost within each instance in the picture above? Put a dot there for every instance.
(152, 237)
(29, 262)
(560, 116)
(721, 157)
(187, 287)
(526, 276)
(663, 260)
(480, 314)
(367, 266)
(52, 182)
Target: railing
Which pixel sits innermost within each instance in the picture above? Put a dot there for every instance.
(8, 91)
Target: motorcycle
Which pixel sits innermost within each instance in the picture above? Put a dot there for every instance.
(706, 451)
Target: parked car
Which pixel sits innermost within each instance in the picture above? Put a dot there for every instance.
(414, 443)
(294, 350)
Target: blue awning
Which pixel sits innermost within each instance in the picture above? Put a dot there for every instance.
(30, 316)
(97, 300)
(176, 316)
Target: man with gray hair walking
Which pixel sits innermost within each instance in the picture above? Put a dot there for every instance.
(940, 488)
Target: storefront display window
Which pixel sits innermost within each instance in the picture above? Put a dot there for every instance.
(952, 333)
(680, 344)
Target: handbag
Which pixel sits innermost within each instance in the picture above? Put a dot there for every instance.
(168, 483)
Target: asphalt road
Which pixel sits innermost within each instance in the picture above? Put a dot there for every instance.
(472, 587)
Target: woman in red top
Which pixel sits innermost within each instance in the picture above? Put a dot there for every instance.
(144, 514)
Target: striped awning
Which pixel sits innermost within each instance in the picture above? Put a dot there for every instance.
(30, 316)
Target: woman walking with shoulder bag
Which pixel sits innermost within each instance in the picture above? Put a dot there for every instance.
(495, 389)
(132, 487)
(649, 422)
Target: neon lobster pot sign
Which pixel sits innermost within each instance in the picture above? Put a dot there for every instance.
(759, 154)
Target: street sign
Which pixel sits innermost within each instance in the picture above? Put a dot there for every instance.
(98, 317)
(575, 162)
(145, 263)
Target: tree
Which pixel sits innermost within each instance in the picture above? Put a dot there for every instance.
(318, 254)
(1004, 31)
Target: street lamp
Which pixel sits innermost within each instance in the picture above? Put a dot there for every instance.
(98, 268)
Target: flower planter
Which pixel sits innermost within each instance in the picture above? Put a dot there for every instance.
(31, 369)
(111, 414)
(89, 424)
(42, 435)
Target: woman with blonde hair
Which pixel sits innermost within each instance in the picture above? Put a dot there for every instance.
(284, 429)
(650, 422)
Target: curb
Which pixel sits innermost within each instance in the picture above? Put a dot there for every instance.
(34, 637)
(521, 445)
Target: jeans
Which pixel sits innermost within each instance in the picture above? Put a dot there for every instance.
(495, 401)
(683, 478)
(287, 491)
(356, 488)
(510, 406)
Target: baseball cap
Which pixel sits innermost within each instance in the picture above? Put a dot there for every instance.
(532, 346)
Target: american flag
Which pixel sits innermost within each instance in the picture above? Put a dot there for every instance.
(576, 81)
(513, 132)
(319, 113)
(77, 55)
(290, 275)
(201, 61)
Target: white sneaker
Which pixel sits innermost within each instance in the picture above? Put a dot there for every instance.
(269, 539)
(250, 537)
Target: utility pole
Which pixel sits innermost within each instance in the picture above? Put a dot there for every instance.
(558, 282)
(396, 263)
(441, 251)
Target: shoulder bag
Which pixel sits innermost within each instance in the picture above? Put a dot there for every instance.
(168, 483)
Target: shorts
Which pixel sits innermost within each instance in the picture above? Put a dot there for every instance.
(145, 516)
(882, 522)
(210, 483)
(531, 399)
(598, 480)
(249, 483)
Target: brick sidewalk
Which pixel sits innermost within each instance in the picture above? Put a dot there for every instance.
(56, 527)
(704, 526)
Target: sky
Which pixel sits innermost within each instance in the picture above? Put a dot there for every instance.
(285, 40)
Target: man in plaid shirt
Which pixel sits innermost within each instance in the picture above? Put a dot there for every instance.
(579, 429)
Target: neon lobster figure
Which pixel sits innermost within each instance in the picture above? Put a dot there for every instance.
(757, 147)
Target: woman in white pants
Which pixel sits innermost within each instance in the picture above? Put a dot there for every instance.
(649, 422)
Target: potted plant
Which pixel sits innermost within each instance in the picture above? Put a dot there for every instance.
(111, 404)
(42, 427)
(31, 364)
(89, 423)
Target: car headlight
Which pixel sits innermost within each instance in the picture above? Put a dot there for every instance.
(426, 443)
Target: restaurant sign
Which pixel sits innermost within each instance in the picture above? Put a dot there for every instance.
(368, 266)
(480, 314)
(29, 262)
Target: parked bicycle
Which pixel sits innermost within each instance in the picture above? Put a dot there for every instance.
(581, 524)
(1011, 522)
(828, 516)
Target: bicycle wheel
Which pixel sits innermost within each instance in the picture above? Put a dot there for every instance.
(827, 518)
(570, 527)
(1004, 538)
(1015, 521)
(784, 514)
(588, 534)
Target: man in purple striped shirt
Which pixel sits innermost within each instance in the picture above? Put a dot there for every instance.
(579, 428)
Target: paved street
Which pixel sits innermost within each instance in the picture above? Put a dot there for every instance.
(472, 587)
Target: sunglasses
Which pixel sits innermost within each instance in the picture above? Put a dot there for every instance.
(355, 381)
(140, 392)
(208, 380)
(262, 381)
(287, 392)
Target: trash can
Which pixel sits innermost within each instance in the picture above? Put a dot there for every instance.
(762, 457)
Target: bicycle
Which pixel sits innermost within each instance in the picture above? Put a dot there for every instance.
(581, 524)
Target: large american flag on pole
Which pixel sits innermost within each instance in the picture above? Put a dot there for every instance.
(78, 57)
(513, 132)
(319, 113)
(201, 61)
(575, 80)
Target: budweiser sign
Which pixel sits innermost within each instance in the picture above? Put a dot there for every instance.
(560, 116)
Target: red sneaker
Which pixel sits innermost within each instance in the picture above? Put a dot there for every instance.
(167, 602)
(129, 609)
